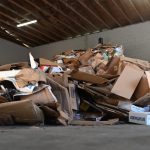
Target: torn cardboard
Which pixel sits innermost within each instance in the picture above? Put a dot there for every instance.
(41, 96)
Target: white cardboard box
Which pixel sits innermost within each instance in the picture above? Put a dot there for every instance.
(140, 117)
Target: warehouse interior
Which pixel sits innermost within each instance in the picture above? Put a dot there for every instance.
(66, 27)
(122, 21)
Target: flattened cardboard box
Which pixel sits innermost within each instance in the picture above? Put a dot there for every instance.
(62, 96)
(72, 94)
(82, 76)
(141, 63)
(127, 82)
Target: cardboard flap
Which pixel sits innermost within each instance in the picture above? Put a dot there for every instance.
(82, 76)
(46, 62)
(141, 63)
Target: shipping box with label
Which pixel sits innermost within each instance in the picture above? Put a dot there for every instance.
(140, 117)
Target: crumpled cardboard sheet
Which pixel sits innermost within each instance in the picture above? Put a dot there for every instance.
(28, 75)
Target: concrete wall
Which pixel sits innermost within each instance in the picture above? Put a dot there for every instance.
(135, 38)
(49, 50)
(11, 52)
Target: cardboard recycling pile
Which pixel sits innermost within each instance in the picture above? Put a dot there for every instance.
(79, 87)
(27, 97)
(105, 86)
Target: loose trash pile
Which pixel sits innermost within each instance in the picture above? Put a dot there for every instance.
(98, 86)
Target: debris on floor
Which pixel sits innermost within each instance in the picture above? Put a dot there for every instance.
(98, 86)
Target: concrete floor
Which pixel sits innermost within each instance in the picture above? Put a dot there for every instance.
(117, 137)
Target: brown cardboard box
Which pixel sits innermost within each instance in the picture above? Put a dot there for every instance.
(22, 112)
(142, 88)
(127, 82)
(82, 76)
(41, 96)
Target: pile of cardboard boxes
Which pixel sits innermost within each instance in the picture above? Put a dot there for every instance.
(98, 86)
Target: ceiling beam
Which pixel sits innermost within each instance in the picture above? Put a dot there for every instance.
(17, 14)
(77, 13)
(15, 37)
(50, 4)
(20, 28)
(35, 35)
(6, 37)
(27, 34)
(45, 38)
(123, 13)
(61, 30)
(136, 10)
(46, 13)
(30, 12)
(93, 13)
(18, 34)
(108, 13)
